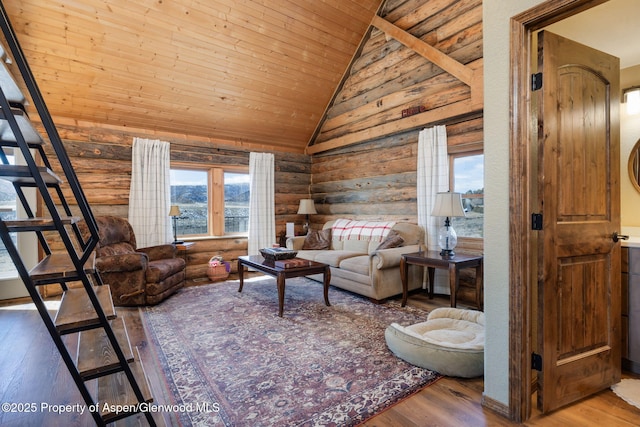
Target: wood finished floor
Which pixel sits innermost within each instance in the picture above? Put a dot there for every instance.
(32, 371)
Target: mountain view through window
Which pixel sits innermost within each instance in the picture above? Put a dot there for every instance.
(191, 191)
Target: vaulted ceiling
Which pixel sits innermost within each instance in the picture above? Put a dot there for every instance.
(253, 71)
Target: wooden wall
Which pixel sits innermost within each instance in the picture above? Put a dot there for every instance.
(420, 65)
(101, 158)
(375, 177)
(369, 169)
(377, 180)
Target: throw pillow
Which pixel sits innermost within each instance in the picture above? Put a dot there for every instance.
(393, 240)
(317, 240)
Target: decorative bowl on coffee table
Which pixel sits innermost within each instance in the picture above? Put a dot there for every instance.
(277, 254)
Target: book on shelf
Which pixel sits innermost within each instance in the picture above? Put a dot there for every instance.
(292, 263)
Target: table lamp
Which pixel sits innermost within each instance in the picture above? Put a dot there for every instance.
(174, 213)
(306, 207)
(448, 205)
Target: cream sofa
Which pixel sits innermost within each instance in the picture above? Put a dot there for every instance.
(358, 267)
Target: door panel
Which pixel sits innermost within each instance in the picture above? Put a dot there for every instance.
(582, 163)
(578, 180)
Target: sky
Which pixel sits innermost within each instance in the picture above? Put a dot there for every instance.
(195, 177)
(469, 173)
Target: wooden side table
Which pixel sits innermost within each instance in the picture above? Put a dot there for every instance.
(433, 260)
(184, 247)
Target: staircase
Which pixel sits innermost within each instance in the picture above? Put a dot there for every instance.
(104, 367)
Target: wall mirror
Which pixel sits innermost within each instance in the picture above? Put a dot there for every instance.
(634, 166)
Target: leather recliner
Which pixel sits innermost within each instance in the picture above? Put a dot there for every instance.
(136, 276)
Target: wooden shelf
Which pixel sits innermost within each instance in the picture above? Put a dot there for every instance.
(76, 311)
(115, 390)
(22, 175)
(29, 133)
(59, 266)
(95, 354)
(8, 83)
(38, 224)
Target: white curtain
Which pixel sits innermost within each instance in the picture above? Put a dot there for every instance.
(150, 193)
(262, 218)
(432, 177)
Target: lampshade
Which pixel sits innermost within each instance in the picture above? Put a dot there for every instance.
(175, 210)
(448, 204)
(306, 207)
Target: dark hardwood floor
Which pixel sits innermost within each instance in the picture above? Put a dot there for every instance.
(31, 371)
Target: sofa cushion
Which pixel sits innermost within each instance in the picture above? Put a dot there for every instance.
(334, 258)
(116, 249)
(310, 255)
(360, 246)
(411, 233)
(317, 240)
(393, 240)
(356, 264)
(160, 270)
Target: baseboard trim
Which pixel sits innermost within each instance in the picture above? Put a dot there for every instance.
(495, 406)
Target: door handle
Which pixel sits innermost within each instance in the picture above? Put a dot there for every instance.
(616, 237)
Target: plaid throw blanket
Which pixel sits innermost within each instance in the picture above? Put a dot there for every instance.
(346, 229)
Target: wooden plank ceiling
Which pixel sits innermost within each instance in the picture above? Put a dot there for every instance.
(255, 72)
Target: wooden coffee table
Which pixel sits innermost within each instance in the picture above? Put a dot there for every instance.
(281, 274)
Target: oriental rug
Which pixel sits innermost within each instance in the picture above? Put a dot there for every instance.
(229, 360)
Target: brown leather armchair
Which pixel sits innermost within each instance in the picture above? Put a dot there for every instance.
(136, 276)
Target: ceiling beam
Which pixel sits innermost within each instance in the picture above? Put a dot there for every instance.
(442, 60)
(450, 113)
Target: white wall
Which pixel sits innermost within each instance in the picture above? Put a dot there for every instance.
(629, 135)
(496, 16)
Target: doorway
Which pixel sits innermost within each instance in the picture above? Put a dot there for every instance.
(523, 256)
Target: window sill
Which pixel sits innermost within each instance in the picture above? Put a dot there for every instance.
(203, 238)
(470, 244)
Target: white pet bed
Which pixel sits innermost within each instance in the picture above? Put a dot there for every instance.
(450, 342)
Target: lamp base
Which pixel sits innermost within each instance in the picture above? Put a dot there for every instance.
(178, 242)
(447, 253)
(447, 240)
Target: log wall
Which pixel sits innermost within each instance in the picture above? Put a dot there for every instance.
(400, 84)
(101, 158)
(377, 180)
(389, 85)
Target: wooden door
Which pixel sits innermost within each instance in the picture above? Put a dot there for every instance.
(579, 262)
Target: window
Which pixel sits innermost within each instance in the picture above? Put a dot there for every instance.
(190, 191)
(213, 201)
(467, 177)
(236, 202)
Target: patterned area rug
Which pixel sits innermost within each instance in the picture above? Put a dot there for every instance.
(229, 360)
